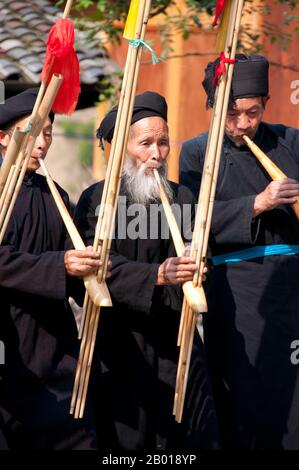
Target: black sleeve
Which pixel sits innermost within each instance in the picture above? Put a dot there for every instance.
(191, 165)
(42, 275)
(292, 137)
(232, 221)
(132, 283)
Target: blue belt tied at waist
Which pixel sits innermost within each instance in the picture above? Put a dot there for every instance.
(255, 252)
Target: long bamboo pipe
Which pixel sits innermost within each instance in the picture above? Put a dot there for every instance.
(106, 217)
(270, 167)
(16, 175)
(205, 204)
(11, 155)
(195, 295)
(98, 292)
(37, 124)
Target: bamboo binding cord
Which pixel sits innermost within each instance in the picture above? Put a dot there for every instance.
(205, 205)
(108, 207)
(270, 167)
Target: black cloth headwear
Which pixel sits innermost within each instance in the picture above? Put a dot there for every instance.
(250, 78)
(17, 107)
(146, 104)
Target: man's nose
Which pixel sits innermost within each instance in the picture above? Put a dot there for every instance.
(40, 141)
(156, 153)
(243, 122)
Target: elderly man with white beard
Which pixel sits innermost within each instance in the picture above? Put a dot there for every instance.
(136, 352)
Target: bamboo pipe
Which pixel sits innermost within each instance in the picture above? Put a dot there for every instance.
(213, 151)
(19, 176)
(102, 232)
(37, 124)
(98, 292)
(119, 144)
(207, 191)
(231, 45)
(11, 155)
(270, 167)
(105, 220)
(195, 296)
(7, 185)
(80, 372)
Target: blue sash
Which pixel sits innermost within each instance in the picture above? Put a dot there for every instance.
(255, 252)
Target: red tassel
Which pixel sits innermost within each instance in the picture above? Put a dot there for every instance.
(220, 4)
(221, 68)
(60, 46)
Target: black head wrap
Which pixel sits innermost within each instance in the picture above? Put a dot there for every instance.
(145, 105)
(17, 107)
(250, 78)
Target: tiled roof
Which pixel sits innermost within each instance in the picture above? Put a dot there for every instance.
(24, 27)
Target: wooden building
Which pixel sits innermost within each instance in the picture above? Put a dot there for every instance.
(179, 79)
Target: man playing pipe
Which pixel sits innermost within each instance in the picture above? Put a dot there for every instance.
(136, 358)
(36, 323)
(253, 289)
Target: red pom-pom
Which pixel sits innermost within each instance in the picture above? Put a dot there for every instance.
(60, 51)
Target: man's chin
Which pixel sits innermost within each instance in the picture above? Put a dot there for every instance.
(33, 165)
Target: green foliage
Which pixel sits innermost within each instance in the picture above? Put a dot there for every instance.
(83, 131)
(103, 16)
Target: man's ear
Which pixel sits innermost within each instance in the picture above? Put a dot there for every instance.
(265, 100)
(4, 140)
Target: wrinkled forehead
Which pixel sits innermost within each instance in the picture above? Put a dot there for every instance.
(243, 104)
(155, 124)
(23, 122)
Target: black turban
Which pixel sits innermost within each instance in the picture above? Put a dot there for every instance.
(145, 105)
(17, 107)
(250, 78)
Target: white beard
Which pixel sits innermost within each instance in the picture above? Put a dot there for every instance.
(142, 188)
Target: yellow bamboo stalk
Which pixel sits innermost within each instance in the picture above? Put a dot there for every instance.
(11, 155)
(7, 185)
(208, 185)
(38, 123)
(83, 316)
(270, 167)
(98, 292)
(195, 296)
(84, 334)
(84, 379)
(27, 145)
(104, 227)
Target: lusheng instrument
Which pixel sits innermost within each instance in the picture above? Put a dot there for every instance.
(270, 167)
(195, 295)
(189, 320)
(98, 292)
(22, 142)
(109, 201)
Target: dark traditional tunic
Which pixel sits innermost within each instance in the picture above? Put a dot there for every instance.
(137, 355)
(37, 328)
(253, 305)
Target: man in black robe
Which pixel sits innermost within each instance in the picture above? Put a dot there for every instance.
(137, 355)
(253, 298)
(37, 326)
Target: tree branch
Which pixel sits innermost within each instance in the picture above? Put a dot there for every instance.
(294, 68)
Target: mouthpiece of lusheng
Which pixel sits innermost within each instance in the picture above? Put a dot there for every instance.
(195, 297)
(98, 292)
